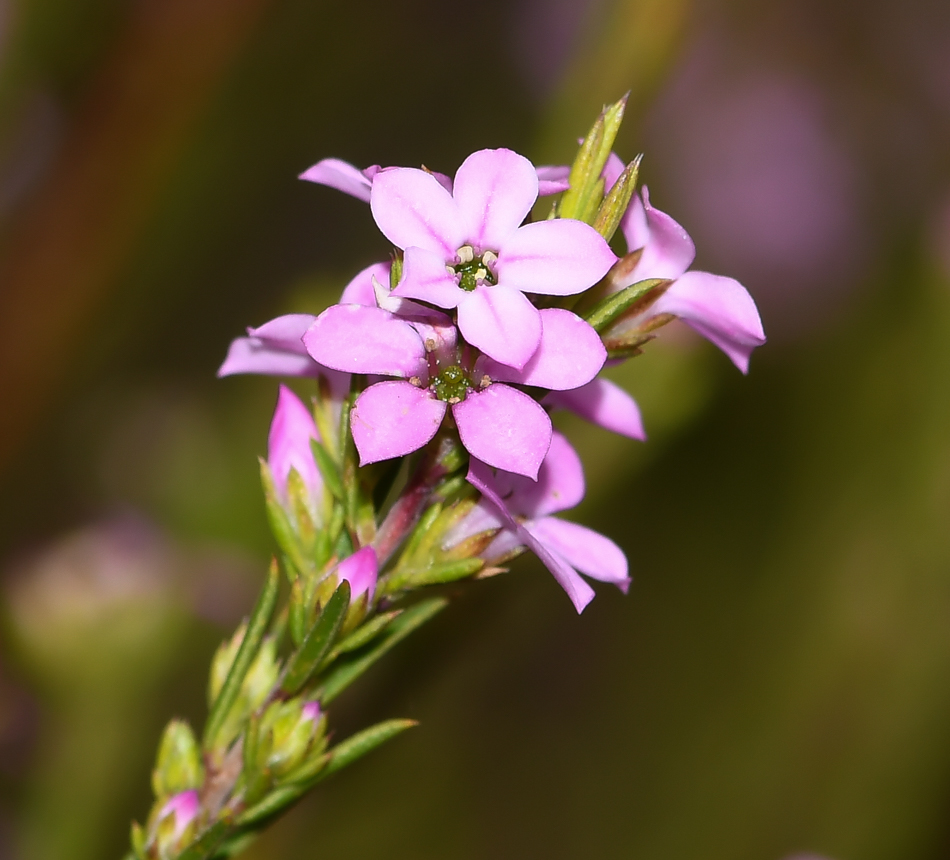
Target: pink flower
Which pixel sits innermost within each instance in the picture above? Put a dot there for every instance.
(522, 510)
(311, 711)
(468, 250)
(360, 570)
(497, 423)
(288, 447)
(185, 807)
(603, 403)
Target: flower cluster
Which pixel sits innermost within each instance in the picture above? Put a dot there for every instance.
(427, 453)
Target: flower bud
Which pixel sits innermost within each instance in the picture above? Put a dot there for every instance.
(289, 451)
(291, 734)
(360, 570)
(178, 768)
(173, 825)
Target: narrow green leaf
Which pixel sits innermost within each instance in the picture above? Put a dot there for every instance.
(205, 846)
(328, 469)
(256, 629)
(318, 640)
(349, 668)
(447, 572)
(617, 200)
(365, 633)
(614, 306)
(358, 745)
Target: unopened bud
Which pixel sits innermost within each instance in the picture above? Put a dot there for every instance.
(178, 768)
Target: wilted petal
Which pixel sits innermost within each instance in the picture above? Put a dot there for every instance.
(412, 208)
(288, 444)
(360, 570)
(340, 175)
(360, 290)
(424, 277)
(358, 339)
(668, 250)
(394, 418)
(577, 590)
(252, 355)
(570, 354)
(590, 552)
(720, 309)
(560, 484)
(553, 179)
(495, 189)
(554, 258)
(505, 428)
(502, 323)
(603, 403)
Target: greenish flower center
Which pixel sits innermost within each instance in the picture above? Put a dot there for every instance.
(471, 271)
(451, 385)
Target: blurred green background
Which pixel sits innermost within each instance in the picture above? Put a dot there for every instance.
(777, 680)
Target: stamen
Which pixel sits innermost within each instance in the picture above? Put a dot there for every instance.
(466, 254)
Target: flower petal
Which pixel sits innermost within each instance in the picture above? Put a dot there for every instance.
(424, 277)
(495, 190)
(340, 175)
(251, 355)
(360, 290)
(284, 332)
(560, 484)
(577, 590)
(612, 170)
(502, 323)
(589, 551)
(505, 428)
(360, 570)
(288, 445)
(668, 250)
(394, 418)
(412, 208)
(555, 258)
(553, 179)
(603, 403)
(570, 354)
(720, 309)
(358, 339)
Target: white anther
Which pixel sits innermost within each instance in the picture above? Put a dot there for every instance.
(466, 254)
(430, 344)
(489, 258)
(486, 381)
(414, 380)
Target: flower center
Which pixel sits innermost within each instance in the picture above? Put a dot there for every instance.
(472, 271)
(451, 385)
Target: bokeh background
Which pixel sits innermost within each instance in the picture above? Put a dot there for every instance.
(777, 680)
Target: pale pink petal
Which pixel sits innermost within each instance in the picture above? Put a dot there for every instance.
(505, 428)
(340, 175)
(252, 355)
(501, 322)
(481, 518)
(412, 208)
(555, 258)
(439, 336)
(360, 290)
(424, 277)
(612, 170)
(288, 444)
(668, 250)
(590, 552)
(358, 339)
(360, 570)
(443, 180)
(720, 309)
(560, 484)
(495, 190)
(285, 332)
(570, 354)
(394, 418)
(603, 403)
(577, 590)
(553, 179)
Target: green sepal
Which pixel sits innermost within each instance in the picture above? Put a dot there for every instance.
(584, 195)
(318, 641)
(297, 613)
(250, 645)
(328, 469)
(449, 571)
(178, 766)
(138, 839)
(205, 846)
(348, 668)
(632, 300)
(280, 524)
(395, 270)
(617, 200)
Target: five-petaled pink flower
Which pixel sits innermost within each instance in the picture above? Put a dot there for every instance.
(470, 251)
(496, 423)
(522, 510)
